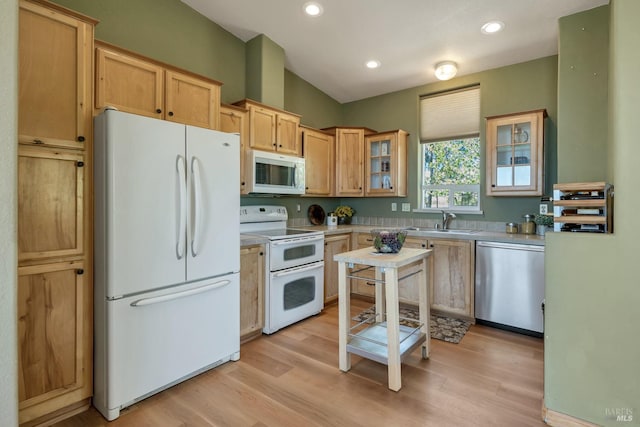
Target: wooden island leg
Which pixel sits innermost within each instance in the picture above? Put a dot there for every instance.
(423, 305)
(344, 315)
(393, 329)
(379, 296)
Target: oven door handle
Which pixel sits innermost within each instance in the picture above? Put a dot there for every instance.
(301, 269)
(296, 240)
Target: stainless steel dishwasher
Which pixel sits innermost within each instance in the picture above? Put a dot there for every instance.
(510, 286)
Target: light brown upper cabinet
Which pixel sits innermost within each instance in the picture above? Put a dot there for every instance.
(350, 154)
(515, 154)
(139, 85)
(386, 164)
(318, 149)
(234, 120)
(271, 129)
(54, 100)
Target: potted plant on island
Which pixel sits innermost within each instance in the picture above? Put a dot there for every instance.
(542, 223)
(344, 214)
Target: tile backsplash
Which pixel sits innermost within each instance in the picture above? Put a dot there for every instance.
(412, 222)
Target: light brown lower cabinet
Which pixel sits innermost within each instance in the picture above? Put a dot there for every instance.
(54, 338)
(252, 280)
(333, 244)
(451, 265)
(452, 277)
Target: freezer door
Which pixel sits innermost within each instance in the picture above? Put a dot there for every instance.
(213, 225)
(139, 162)
(155, 340)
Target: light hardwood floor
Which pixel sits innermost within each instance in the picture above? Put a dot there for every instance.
(291, 378)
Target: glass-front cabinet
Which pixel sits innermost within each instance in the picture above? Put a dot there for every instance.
(515, 154)
(386, 164)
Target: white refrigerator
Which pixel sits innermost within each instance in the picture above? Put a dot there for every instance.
(167, 299)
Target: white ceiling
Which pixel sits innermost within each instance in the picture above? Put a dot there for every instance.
(407, 36)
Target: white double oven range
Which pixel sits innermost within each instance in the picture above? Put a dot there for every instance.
(294, 286)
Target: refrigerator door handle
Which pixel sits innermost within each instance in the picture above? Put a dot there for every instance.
(182, 216)
(197, 205)
(169, 297)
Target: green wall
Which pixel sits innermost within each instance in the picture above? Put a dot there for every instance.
(592, 294)
(265, 71)
(521, 87)
(171, 32)
(582, 96)
(318, 109)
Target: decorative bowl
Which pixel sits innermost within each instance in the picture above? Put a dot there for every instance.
(388, 241)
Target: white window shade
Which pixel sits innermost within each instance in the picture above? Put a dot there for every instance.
(451, 115)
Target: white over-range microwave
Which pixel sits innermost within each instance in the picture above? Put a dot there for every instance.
(275, 173)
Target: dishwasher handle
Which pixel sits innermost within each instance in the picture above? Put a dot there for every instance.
(515, 246)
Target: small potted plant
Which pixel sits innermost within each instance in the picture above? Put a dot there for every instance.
(542, 223)
(344, 214)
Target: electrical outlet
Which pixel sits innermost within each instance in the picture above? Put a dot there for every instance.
(543, 209)
(406, 207)
(394, 206)
(298, 208)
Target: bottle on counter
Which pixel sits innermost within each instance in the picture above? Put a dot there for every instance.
(528, 226)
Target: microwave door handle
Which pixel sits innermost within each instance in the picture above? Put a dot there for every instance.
(294, 175)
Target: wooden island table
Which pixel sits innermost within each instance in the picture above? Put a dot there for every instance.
(382, 339)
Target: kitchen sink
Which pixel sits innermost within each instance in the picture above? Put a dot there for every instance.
(440, 230)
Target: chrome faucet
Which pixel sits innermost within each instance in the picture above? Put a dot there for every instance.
(446, 219)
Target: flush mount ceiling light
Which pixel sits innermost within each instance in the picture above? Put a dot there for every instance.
(312, 9)
(373, 64)
(492, 27)
(446, 70)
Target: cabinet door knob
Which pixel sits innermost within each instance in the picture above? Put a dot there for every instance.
(170, 113)
(370, 283)
(261, 253)
(79, 271)
(424, 245)
(80, 164)
(158, 110)
(493, 185)
(80, 138)
(431, 245)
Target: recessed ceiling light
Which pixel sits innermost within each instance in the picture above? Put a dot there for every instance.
(446, 70)
(373, 64)
(492, 27)
(312, 8)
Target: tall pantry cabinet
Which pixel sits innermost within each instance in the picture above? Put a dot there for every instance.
(55, 296)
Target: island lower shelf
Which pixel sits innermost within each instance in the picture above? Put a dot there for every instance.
(371, 342)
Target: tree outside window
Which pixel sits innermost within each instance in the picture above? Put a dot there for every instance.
(451, 175)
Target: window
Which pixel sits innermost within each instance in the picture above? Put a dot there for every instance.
(450, 151)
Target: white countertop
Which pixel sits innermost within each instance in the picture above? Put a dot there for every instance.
(492, 236)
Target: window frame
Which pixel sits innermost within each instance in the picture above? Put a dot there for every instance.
(453, 188)
(465, 103)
